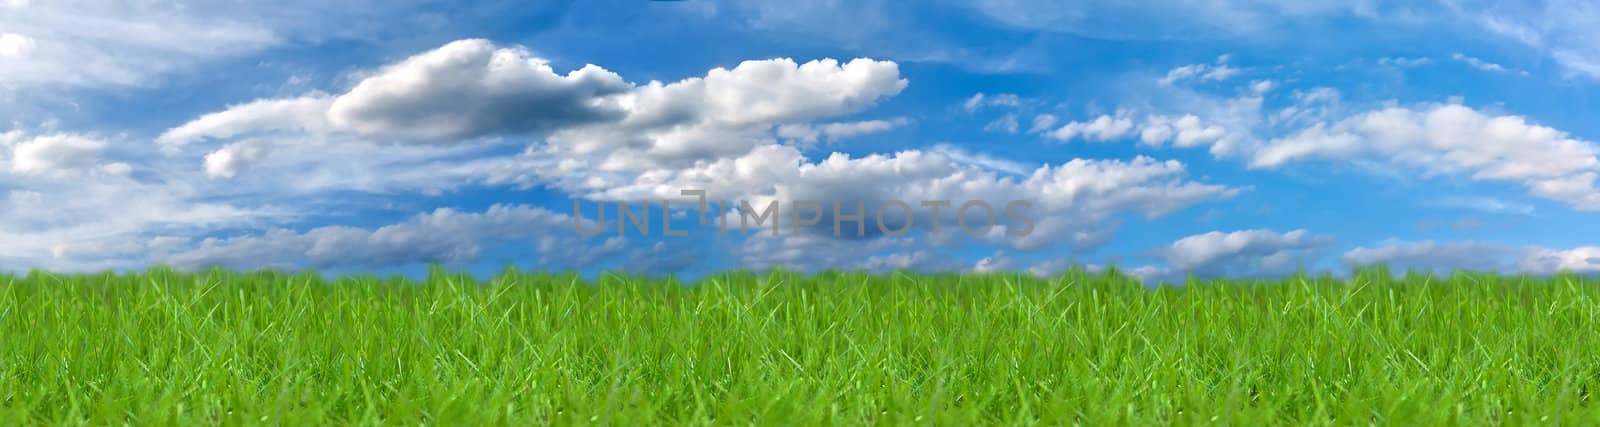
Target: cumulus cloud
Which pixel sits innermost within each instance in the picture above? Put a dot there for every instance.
(726, 113)
(56, 153)
(1582, 260)
(721, 132)
(1227, 125)
(1154, 130)
(1103, 128)
(1247, 253)
(472, 88)
(1185, 131)
(229, 160)
(598, 137)
(591, 120)
(297, 151)
(464, 89)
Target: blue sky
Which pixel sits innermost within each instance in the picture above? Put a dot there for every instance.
(1167, 137)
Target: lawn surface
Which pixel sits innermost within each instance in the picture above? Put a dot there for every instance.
(783, 348)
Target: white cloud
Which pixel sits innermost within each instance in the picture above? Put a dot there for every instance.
(1405, 61)
(808, 134)
(104, 218)
(1484, 204)
(1443, 257)
(1204, 72)
(1148, 274)
(464, 89)
(444, 235)
(14, 45)
(229, 160)
(1454, 139)
(595, 124)
(1050, 267)
(472, 88)
(1564, 30)
(1075, 203)
(56, 153)
(1043, 122)
(1241, 253)
(981, 100)
(1154, 130)
(1434, 257)
(312, 156)
(1582, 260)
(1102, 128)
(974, 102)
(1436, 139)
(1185, 131)
(810, 252)
(920, 261)
(1478, 63)
(997, 263)
(1005, 124)
(982, 161)
(1262, 86)
(95, 43)
(297, 116)
(726, 114)
(69, 206)
(115, 43)
(721, 132)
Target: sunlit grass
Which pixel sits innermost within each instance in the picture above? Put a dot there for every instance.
(162, 347)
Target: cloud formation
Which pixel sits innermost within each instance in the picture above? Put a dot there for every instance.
(1454, 139)
(444, 235)
(1246, 253)
(1434, 139)
(589, 119)
(721, 132)
(1074, 203)
(1443, 257)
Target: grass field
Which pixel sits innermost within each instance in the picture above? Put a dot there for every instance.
(783, 348)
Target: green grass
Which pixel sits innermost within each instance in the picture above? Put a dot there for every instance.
(835, 348)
